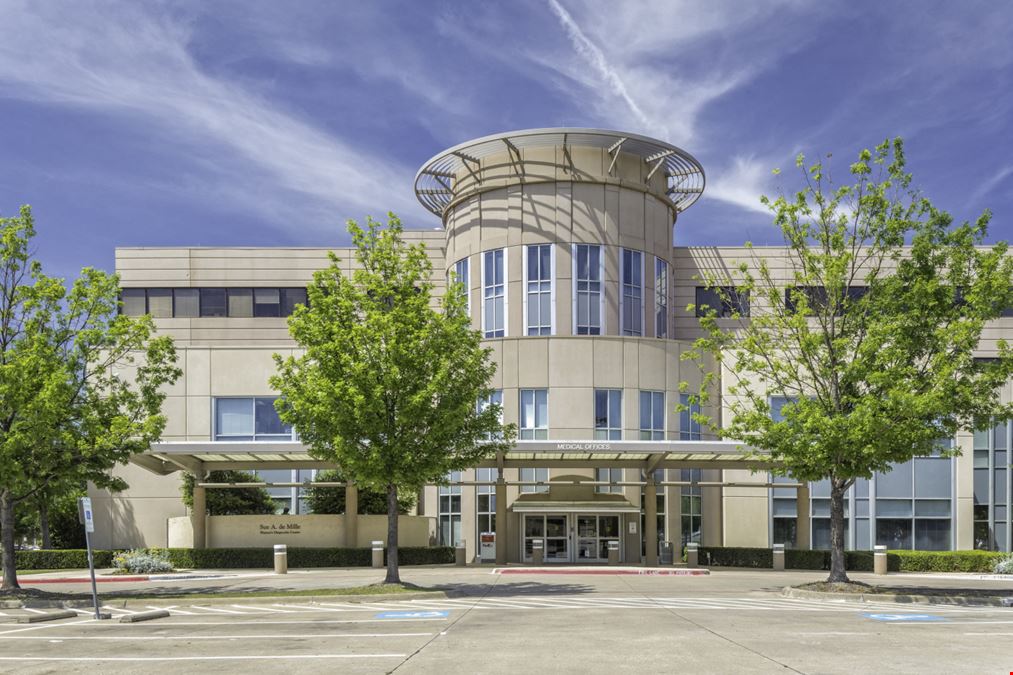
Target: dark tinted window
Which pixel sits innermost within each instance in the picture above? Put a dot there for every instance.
(212, 302)
(725, 300)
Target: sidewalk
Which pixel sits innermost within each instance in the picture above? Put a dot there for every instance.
(486, 579)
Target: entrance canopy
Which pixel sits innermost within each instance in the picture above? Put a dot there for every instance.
(202, 456)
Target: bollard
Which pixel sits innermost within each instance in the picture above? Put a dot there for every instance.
(460, 554)
(692, 554)
(280, 559)
(879, 559)
(779, 557)
(537, 552)
(613, 552)
(377, 554)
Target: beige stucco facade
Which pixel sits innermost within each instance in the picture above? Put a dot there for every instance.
(562, 189)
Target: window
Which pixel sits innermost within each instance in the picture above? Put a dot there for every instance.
(240, 302)
(608, 414)
(449, 515)
(530, 475)
(133, 302)
(725, 301)
(608, 476)
(652, 415)
(461, 276)
(993, 506)
(631, 301)
(189, 303)
(494, 294)
(249, 419)
(691, 502)
(818, 300)
(495, 397)
(660, 298)
(485, 502)
(267, 302)
(588, 300)
(186, 302)
(534, 414)
(213, 302)
(160, 302)
(689, 428)
(538, 268)
(290, 297)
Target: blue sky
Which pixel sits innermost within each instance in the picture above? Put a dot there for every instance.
(269, 123)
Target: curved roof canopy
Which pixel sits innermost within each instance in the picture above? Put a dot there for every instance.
(686, 179)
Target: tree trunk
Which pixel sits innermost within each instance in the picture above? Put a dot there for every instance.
(10, 576)
(47, 543)
(392, 571)
(838, 574)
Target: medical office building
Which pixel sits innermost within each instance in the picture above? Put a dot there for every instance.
(564, 239)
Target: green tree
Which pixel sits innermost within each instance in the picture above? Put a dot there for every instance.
(80, 385)
(245, 501)
(388, 385)
(332, 499)
(869, 333)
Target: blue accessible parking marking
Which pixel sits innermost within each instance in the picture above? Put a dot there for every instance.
(412, 615)
(903, 617)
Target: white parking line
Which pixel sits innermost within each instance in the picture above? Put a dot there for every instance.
(219, 610)
(314, 622)
(135, 638)
(155, 659)
(260, 608)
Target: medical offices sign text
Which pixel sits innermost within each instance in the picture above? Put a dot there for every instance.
(586, 447)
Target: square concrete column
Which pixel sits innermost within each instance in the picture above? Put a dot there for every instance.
(802, 526)
(501, 520)
(712, 510)
(651, 520)
(351, 515)
(199, 513)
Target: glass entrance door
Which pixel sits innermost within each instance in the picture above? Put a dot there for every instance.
(553, 530)
(593, 534)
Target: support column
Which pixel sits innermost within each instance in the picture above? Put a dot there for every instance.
(199, 513)
(802, 529)
(650, 520)
(501, 519)
(351, 515)
(712, 511)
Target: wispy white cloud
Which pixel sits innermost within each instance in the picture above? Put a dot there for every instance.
(135, 62)
(991, 183)
(742, 183)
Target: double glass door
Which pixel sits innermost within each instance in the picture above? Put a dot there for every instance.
(578, 537)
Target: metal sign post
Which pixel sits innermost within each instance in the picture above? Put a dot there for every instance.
(87, 518)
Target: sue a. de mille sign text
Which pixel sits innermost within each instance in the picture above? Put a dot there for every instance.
(280, 528)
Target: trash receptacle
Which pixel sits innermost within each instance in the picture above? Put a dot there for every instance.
(692, 554)
(377, 553)
(779, 557)
(879, 560)
(537, 552)
(460, 554)
(280, 559)
(613, 552)
(666, 557)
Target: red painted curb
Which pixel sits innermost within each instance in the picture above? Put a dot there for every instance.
(644, 573)
(80, 580)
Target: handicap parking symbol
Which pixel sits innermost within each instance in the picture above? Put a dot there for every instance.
(412, 615)
(903, 617)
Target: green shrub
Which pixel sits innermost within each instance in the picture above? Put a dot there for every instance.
(943, 561)
(61, 559)
(855, 561)
(238, 558)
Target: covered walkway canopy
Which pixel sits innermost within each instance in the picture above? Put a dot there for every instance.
(201, 457)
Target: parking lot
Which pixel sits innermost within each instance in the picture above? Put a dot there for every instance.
(732, 622)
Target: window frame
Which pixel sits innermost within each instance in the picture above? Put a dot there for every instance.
(540, 292)
(638, 285)
(488, 295)
(600, 281)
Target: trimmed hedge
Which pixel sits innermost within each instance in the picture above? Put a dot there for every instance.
(238, 558)
(856, 561)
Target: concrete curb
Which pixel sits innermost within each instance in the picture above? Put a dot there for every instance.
(51, 616)
(898, 598)
(197, 599)
(145, 616)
